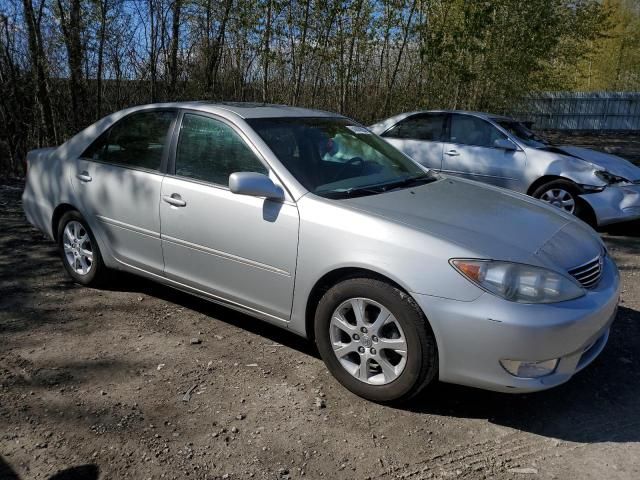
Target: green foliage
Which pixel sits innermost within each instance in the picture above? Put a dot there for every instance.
(613, 62)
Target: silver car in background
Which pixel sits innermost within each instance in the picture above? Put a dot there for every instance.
(307, 220)
(598, 187)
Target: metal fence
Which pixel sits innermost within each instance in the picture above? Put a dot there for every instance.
(618, 111)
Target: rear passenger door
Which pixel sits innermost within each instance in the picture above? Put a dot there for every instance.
(118, 179)
(238, 248)
(420, 136)
(471, 153)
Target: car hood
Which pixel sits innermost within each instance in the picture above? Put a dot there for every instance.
(603, 161)
(488, 222)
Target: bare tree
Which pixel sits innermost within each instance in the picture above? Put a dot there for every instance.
(71, 28)
(266, 51)
(173, 55)
(104, 9)
(39, 68)
(64, 63)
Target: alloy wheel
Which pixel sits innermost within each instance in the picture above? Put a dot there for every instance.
(559, 198)
(368, 341)
(78, 251)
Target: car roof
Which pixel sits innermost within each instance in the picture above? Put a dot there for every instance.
(245, 110)
(485, 115)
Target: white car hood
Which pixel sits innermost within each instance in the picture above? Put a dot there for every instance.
(604, 161)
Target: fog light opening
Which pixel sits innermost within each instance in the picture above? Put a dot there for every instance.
(529, 369)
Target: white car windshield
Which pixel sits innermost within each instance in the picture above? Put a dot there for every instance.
(334, 157)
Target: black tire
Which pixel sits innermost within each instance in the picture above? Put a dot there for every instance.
(421, 365)
(557, 185)
(98, 273)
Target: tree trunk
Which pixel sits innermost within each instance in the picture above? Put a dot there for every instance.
(153, 63)
(11, 113)
(266, 52)
(324, 48)
(303, 45)
(219, 43)
(214, 48)
(345, 89)
(399, 59)
(71, 28)
(39, 72)
(104, 8)
(173, 53)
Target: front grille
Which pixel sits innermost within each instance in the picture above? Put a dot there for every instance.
(588, 274)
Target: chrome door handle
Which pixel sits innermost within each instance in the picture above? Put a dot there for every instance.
(175, 200)
(452, 153)
(84, 176)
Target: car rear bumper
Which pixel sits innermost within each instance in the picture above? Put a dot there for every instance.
(38, 213)
(615, 203)
(474, 336)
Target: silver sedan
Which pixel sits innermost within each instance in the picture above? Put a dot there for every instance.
(307, 220)
(598, 187)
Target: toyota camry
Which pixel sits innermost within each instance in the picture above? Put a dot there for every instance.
(307, 220)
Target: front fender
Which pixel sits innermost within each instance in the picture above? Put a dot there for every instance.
(332, 238)
(574, 169)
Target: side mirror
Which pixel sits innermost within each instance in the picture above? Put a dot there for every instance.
(505, 144)
(255, 185)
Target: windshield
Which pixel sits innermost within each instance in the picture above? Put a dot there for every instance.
(522, 133)
(333, 157)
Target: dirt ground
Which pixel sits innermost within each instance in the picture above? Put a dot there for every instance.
(93, 383)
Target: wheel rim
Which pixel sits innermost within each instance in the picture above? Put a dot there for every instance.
(78, 251)
(368, 341)
(559, 198)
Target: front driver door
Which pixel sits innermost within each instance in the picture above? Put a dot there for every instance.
(471, 153)
(237, 248)
(420, 137)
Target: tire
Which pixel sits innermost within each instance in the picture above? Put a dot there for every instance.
(559, 193)
(405, 374)
(75, 242)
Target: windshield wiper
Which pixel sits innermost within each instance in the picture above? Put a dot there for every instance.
(352, 192)
(381, 188)
(411, 181)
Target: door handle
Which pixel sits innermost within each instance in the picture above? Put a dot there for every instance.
(452, 153)
(84, 176)
(175, 200)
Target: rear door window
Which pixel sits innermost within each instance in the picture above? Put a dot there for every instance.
(423, 126)
(136, 141)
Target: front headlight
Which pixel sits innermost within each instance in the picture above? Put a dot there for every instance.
(610, 178)
(518, 282)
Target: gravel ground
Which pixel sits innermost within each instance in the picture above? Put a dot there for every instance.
(140, 381)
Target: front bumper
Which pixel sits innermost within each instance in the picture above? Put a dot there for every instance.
(615, 203)
(474, 336)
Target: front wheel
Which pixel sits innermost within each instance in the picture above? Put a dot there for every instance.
(559, 193)
(375, 340)
(79, 250)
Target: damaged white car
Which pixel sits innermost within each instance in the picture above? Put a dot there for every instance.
(598, 187)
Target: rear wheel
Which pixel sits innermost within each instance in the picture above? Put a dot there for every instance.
(79, 250)
(375, 340)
